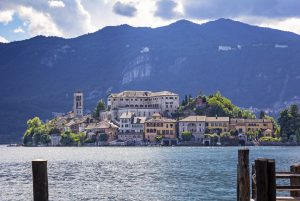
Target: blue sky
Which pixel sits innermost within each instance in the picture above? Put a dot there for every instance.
(22, 19)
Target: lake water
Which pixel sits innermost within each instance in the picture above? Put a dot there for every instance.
(132, 173)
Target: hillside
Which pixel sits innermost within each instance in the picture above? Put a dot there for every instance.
(252, 66)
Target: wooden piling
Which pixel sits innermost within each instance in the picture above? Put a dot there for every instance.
(40, 180)
(271, 170)
(261, 167)
(295, 181)
(243, 185)
(253, 192)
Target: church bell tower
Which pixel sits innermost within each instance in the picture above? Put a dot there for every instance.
(78, 104)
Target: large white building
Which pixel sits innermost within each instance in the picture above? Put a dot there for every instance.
(195, 125)
(142, 103)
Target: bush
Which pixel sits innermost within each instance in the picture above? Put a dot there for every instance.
(90, 140)
(158, 138)
(186, 135)
(269, 139)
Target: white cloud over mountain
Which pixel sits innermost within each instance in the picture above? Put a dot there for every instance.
(71, 18)
(3, 40)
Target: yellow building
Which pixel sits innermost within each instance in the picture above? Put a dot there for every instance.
(252, 125)
(160, 126)
(217, 124)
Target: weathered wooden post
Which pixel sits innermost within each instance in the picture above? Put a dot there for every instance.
(261, 167)
(243, 185)
(40, 180)
(271, 170)
(295, 181)
(253, 181)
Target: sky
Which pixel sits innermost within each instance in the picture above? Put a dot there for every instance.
(23, 19)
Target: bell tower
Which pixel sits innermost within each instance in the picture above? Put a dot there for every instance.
(78, 104)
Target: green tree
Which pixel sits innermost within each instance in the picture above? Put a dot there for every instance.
(214, 138)
(262, 114)
(36, 138)
(100, 107)
(35, 129)
(186, 135)
(67, 139)
(78, 138)
(289, 121)
(45, 139)
(225, 137)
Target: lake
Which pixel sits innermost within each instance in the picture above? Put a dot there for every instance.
(132, 173)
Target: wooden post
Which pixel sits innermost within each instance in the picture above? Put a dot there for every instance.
(271, 180)
(261, 166)
(40, 180)
(295, 181)
(243, 175)
(237, 182)
(253, 182)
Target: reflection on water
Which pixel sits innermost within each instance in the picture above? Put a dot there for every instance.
(132, 173)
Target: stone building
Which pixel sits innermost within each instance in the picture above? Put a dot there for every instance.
(195, 125)
(94, 130)
(217, 124)
(252, 125)
(143, 103)
(131, 128)
(160, 126)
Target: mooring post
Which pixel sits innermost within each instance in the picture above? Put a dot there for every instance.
(261, 168)
(271, 180)
(243, 185)
(295, 169)
(40, 180)
(253, 181)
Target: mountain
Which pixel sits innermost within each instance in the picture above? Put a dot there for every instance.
(251, 65)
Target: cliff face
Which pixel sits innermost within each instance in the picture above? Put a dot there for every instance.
(251, 65)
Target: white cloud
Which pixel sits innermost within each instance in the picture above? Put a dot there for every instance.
(56, 4)
(71, 18)
(38, 23)
(6, 16)
(290, 24)
(19, 30)
(3, 40)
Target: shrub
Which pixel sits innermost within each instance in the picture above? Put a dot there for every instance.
(186, 135)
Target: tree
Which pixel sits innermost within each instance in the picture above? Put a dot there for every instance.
(45, 139)
(214, 138)
(66, 139)
(289, 121)
(78, 138)
(35, 129)
(100, 107)
(36, 138)
(186, 135)
(224, 137)
(262, 114)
